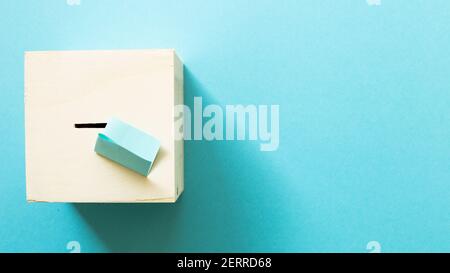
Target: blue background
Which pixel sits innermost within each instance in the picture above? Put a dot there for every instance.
(364, 95)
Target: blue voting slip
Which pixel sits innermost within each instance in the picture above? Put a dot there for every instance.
(128, 146)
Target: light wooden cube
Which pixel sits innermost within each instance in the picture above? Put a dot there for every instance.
(62, 88)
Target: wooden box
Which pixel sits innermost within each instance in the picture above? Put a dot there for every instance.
(63, 88)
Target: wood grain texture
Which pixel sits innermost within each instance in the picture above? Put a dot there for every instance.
(67, 87)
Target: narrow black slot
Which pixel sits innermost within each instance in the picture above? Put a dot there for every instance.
(90, 125)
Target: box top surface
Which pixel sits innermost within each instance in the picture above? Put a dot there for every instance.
(67, 87)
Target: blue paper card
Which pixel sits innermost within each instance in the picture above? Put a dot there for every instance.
(128, 146)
